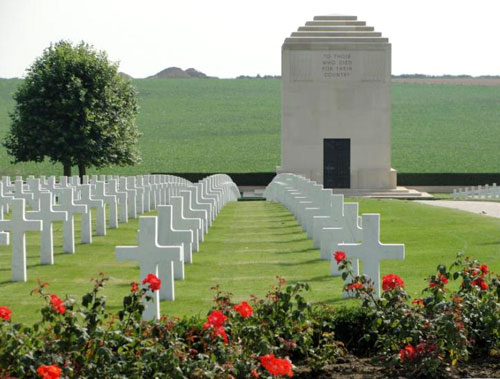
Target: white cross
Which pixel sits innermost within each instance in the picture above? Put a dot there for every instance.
(205, 200)
(110, 200)
(153, 259)
(190, 212)
(35, 187)
(4, 201)
(66, 203)
(47, 216)
(131, 197)
(154, 198)
(18, 225)
(332, 217)
(87, 217)
(139, 197)
(20, 194)
(7, 184)
(170, 236)
(112, 190)
(4, 238)
(350, 232)
(179, 221)
(146, 205)
(371, 251)
(197, 204)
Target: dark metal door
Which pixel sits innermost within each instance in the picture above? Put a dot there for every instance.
(337, 163)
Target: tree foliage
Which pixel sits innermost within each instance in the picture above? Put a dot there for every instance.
(75, 109)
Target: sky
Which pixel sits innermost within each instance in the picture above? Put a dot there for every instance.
(227, 38)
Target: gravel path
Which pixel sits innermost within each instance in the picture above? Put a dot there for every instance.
(480, 207)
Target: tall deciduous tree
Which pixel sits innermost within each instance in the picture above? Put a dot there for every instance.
(75, 109)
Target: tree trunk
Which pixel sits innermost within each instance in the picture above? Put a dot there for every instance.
(67, 169)
(82, 170)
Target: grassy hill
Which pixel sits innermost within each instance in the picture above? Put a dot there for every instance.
(234, 126)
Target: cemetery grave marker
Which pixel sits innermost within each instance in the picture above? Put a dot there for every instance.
(47, 216)
(66, 203)
(371, 251)
(18, 225)
(155, 259)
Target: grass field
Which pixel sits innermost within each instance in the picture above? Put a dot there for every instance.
(234, 126)
(247, 246)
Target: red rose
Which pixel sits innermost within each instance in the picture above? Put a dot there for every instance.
(221, 332)
(49, 372)
(5, 313)
(339, 256)
(424, 347)
(441, 278)
(206, 325)
(418, 301)
(407, 353)
(215, 319)
(391, 282)
(254, 373)
(57, 304)
(244, 309)
(484, 269)
(480, 283)
(276, 366)
(134, 287)
(354, 286)
(154, 282)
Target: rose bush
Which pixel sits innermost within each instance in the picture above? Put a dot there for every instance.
(429, 336)
(270, 336)
(84, 340)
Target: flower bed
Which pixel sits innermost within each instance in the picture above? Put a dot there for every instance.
(280, 335)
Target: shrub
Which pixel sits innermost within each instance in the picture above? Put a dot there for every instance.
(430, 335)
(86, 341)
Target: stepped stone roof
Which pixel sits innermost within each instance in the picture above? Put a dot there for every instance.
(333, 29)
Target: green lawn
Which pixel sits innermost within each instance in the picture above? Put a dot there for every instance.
(234, 126)
(247, 246)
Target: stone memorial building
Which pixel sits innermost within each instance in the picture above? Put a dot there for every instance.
(336, 105)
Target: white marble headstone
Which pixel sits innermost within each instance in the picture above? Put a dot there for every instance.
(371, 251)
(150, 256)
(47, 216)
(18, 225)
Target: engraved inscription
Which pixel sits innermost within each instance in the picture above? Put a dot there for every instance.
(336, 65)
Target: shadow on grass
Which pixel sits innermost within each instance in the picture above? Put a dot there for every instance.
(308, 250)
(322, 278)
(492, 243)
(293, 240)
(7, 282)
(289, 264)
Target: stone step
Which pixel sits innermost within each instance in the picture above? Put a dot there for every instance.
(336, 40)
(337, 28)
(333, 17)
(399, 193)
(336, 23)
(335, 34)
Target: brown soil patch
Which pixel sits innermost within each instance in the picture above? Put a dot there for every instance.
(363, 368)
(451, 81)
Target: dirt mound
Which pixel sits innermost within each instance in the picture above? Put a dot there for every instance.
(176, 72)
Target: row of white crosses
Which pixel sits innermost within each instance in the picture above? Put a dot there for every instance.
(334, 225)
(166, 242)
(480, 192)
(50, 200)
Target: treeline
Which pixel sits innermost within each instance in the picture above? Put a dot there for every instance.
(259, 77)
(423, 76)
